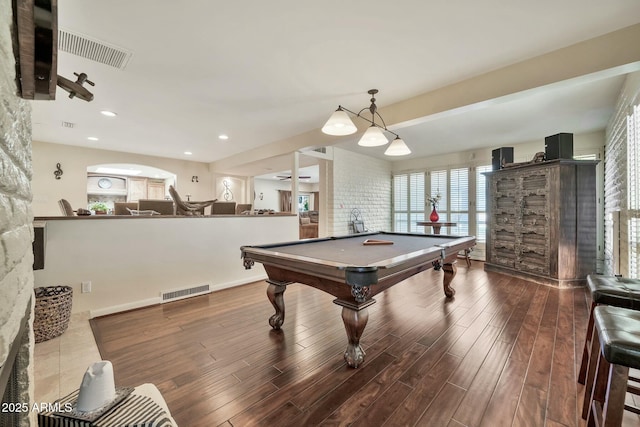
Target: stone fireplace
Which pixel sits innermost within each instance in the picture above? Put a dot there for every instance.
(15, 377)
(16, 233)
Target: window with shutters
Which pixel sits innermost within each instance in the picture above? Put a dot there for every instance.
(438, 188)
(452, 186)
(633, 196)
(459, 200)
(462, 200)
(408, 201)
(481, 203)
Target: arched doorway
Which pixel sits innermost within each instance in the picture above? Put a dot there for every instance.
(124, 182)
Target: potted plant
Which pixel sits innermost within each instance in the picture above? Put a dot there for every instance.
(99, 208)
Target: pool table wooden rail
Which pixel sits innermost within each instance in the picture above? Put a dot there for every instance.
(383, 273)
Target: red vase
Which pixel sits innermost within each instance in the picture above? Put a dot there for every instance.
(434, 217)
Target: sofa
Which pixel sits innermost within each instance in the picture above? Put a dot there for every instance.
(308, 224)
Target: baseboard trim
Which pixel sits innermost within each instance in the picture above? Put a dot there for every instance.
(157, 300)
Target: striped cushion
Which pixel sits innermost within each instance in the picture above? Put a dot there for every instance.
(134, 411)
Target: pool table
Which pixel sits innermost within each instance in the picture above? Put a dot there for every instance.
(353, 269)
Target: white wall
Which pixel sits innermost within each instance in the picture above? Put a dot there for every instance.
(270, 192)
(131, 260)
(230, 189)
(522, 151)
(73, 183)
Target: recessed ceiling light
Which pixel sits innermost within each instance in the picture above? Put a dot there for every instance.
(188, 153)
(108, 113)
(92, 138)
(223, 137)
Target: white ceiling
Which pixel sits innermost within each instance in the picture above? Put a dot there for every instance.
(261, 72)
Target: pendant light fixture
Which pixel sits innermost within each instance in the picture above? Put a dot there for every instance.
(397, 148)
(340, 124)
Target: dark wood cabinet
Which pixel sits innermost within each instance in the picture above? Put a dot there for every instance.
(39, 243)
(542, 221)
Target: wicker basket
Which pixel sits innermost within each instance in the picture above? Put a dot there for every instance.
(52, 312)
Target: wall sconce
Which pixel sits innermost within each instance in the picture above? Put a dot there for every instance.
(58, 172)
(194, 178)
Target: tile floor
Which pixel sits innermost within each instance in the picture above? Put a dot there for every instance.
(61, 362)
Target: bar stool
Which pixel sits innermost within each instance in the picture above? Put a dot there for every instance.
(615, 347)
(607, 290)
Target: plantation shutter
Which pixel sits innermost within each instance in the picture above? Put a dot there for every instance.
(439, 187)
(400, 202)
(416, 201)
(459, 200)
(481, 203)
(633, 197)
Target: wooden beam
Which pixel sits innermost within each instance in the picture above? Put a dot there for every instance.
(37, 55)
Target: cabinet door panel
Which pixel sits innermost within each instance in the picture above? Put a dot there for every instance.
(503, 256)
(532, 262)
(505, 202)
(155, 190)
(505, 184)
(534, 180)
(504, 219)
(535, 219)
(137, 189)
(503, 234)
(534, 201)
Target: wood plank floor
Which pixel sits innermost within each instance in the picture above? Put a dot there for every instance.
(501, 353)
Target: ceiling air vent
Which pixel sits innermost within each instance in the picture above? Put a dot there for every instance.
(93, 49)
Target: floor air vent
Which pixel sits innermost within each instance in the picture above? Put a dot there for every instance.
(168, 296)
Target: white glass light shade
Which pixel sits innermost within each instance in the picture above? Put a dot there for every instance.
(397, 148)
(339, 124)
(373, 137)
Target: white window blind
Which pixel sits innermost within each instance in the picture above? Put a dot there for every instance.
(416, 201)
(400, 191)
(481, 203)
(438, 187)
(459, 200)
(633, 192)
(408, 201)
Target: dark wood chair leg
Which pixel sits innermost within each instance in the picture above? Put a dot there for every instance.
(614, 400)
(598, 391)
(585, 352)
(609, 391)
(591, 374)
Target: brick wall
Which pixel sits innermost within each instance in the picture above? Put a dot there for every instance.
(16, 258)
(361, 182)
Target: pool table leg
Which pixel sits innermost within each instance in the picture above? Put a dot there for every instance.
(450, 270)
(354, 323)
(275, 293)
